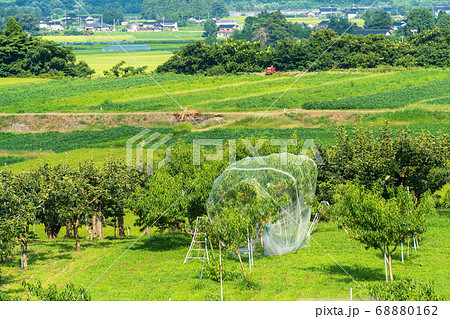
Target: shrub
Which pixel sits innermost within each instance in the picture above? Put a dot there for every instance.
(403, 290)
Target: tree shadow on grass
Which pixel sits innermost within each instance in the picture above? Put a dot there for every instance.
(357, 272)
(47, 255)
(5, 280)
(163, 242)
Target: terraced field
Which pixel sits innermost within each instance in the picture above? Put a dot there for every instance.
(324, 90)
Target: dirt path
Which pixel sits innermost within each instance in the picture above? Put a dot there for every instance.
(56, 121)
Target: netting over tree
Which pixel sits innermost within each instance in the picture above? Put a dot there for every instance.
(264, 199)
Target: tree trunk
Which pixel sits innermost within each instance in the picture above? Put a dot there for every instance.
(25, 254)
(407, 254)
(77, 237)
(242, 265)
(52, 230)
(25, 249)
(68, 229)
(121, 223)
(97, 227)
(391, 276)
(89, 229)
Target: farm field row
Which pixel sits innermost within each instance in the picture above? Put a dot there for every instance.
(22, 151)
(370, 89)
(153, 269)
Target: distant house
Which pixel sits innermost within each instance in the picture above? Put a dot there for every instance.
(310, 14)
(325, 11)
(95, 27)
(365, 32)
(353, 12)
(51, 25)
(171, 25)
(396, 25)
(225, 30)
(150, 26)
(323, 24)
(89, 20)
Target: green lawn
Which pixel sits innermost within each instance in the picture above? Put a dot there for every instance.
(224, 93)
(153, 269)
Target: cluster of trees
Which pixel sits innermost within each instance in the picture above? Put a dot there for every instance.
(24, 55)
(58, 196)
(179, 9)
(422, 19)
(391, 181)
(112, 16)
(269, 28)
(429, 48)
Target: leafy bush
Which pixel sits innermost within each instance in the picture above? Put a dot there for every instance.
(213, 271)
(403, 290)
(51, 293)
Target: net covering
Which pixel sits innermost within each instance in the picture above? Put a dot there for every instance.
(272, 195)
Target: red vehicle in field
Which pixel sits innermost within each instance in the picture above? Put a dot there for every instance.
(270, 71)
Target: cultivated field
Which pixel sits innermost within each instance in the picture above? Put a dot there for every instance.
(153, 268)
(324, 90)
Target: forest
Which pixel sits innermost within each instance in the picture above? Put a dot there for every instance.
(24, 55)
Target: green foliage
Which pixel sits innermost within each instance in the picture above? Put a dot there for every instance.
(233, 55)
(112, 16)
(156, 9)
(418, 161)
(377, 19)
(341, 25)
(403, 290)
(379, 223)
(443, 20)
(51, 293)
(23, 55)
(210, 28)
(117, 71)
(421, 19)
(427, 49)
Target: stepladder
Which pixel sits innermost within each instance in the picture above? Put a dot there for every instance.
(198, 250)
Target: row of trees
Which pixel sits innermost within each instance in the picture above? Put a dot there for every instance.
(428, 49)
(58, 196)
(24, 55)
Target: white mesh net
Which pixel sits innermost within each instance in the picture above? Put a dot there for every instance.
(280, 185)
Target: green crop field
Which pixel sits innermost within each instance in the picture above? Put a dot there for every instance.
(372, 90)
(161, 44)
(152, 269)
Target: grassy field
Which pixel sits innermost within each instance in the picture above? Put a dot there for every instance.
(161, 44)
(375, 90)
(153, 269)
(17, 81)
